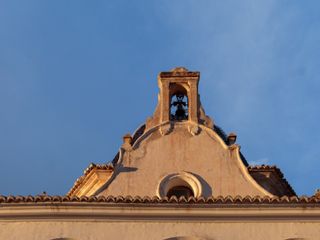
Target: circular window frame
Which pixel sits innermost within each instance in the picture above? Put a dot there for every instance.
(179, 179)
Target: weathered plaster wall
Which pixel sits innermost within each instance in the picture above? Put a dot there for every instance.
(42, 230)
(216, 165)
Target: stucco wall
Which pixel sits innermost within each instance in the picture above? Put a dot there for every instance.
(42, 230)
(217, 166)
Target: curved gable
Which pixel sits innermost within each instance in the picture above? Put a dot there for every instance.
(179, 140)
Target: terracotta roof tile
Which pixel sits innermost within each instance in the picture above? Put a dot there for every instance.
(86, 172)
(277, 171)
(155, 200)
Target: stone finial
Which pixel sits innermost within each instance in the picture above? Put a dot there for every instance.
(179, 69)
(127, 141)
(232, 138)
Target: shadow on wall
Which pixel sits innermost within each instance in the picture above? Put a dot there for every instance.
(196, 238)
(186, 238)
(206, 189)
(63, 239)
(296, 238)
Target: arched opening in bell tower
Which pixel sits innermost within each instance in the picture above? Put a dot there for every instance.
(179, 102)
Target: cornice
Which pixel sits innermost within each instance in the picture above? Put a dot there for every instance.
(212, 209)
(88, 211)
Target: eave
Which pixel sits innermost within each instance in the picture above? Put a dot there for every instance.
(102, 211)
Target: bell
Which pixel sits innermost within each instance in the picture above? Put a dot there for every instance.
(180, 113)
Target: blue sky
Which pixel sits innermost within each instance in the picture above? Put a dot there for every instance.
(75, 76)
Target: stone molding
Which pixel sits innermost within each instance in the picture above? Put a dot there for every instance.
(179, 179)
(92, 211)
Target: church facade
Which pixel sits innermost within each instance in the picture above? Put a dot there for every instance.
(178, 176)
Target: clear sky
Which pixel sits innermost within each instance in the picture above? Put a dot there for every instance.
(75, 76)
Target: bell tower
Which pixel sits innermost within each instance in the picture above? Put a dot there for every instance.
(179, 95)
(178, 99)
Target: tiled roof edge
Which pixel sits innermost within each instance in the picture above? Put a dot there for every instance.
(165, 200)
(86, 172)
(277, 171)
